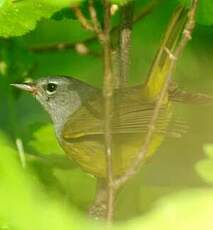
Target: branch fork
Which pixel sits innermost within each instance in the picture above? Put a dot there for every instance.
(92, 25)
(66, 46)
(104, 37)
(170, 54)
(114, 184)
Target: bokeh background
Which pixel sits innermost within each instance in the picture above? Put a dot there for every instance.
(52, 192)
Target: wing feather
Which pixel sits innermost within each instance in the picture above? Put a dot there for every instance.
(132, 115)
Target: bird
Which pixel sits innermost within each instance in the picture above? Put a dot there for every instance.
(77, 111)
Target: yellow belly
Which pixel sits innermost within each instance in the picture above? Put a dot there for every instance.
(89, 154)
(89, 151)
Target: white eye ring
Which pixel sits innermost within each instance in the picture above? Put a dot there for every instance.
(51, 88)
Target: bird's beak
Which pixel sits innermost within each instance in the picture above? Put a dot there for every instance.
(29, 87)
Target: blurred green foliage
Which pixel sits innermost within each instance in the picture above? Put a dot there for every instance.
(16, 17)
(205, 166)
(52, 192)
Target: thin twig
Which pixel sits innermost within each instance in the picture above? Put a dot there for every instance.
(108, 96)
(186, 36)
(62, 46)
(127, 12)
(82, 19)
(20, 148)
(66, 46)
(96, 25)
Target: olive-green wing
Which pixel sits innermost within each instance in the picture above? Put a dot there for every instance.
(87, 120)
(132, 115)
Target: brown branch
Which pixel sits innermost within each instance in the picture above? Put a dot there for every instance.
(67, 45)
(79, 47)
(98, 208)
(96, 25)
(104, 39)
(186, 36)
(82, 19)
(58, 46)
(127, 12)
(108, 106)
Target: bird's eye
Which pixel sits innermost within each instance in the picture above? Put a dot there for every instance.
(51, 88)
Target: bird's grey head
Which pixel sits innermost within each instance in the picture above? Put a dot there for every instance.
(60, 96)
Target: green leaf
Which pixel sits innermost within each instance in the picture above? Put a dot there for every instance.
(205, 12)
(65, 13)
(24, 204)
(208, 149)
(44, 141)
(20, 17)
(48, 152)
(205, 167)
(205, 170)
(72, 181)
(121, 2)
(190, 209)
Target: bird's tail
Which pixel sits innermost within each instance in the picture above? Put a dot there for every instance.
(162, 61)
(179, 95)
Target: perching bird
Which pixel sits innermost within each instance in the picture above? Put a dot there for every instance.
(77, 111)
